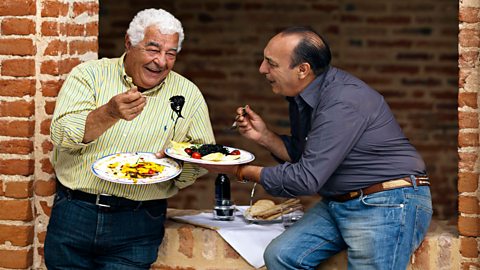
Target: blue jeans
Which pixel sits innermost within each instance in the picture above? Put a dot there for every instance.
(81, 235)
(379, 231)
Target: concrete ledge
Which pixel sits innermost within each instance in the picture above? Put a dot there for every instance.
(189, 247)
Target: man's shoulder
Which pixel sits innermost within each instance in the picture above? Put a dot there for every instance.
(97, 64)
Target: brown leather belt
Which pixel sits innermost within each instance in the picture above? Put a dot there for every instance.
(387, 185)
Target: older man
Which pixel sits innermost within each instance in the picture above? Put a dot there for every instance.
(127, 104)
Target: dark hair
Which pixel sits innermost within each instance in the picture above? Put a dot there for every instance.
(312, 49)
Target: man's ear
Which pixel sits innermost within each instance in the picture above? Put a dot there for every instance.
(304, 70)
(128, 43)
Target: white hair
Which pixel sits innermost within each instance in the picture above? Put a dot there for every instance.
(165, 22)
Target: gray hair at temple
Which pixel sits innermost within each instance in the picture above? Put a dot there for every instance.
(165, 22)
(312, 49)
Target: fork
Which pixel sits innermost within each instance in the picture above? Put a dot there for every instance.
(234, 125)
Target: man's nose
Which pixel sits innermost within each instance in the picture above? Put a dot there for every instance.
(160, 59)
(263, 68)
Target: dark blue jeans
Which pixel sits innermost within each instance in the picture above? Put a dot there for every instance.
(379, 231)
(82, 235)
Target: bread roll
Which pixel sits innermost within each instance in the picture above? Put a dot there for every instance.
(260, 206)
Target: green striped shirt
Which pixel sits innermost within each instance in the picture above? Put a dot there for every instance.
(92, 84)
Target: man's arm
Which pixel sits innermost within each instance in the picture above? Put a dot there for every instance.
(125, 106)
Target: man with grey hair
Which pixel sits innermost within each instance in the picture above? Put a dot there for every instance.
(134, 103)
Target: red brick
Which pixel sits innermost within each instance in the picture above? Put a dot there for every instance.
(468, 99)
(66, 65)
(17, 46)
(468, 205)
(18, 67)
(467, 119)
(51, 28)
(47, 166)
(45, 127)
(16, 234)
(17, 259)
(47, 210)
(17, 128)
(47, 146)
(49, 107)
(469, 247)
(468, 59)
(17, 88)
(18, 26)
(44, 188)
(468, 181)
(186, 241)
(395, 69)
(75, 29)
(469, 14)
(51, 88)
(54, 9)
(83, 46)
(467, 161)
(20, 147)
(19, 108)
(469, 226)
(388, 20)
(49, 67)
(91, 29)
(41, 237)
(15, 210)
(91, 8)
(467, 139)
(17, 7)
(18, 190)
(469, 37)
(23, 167)
(56, 47)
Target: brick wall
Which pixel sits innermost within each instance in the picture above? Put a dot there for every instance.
(468, 137)
(407, 50)
(40, 41)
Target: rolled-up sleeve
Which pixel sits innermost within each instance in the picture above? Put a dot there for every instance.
(75, 101)
(335, 131)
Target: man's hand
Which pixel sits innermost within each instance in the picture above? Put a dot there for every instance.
(251, 125)
(126, 105)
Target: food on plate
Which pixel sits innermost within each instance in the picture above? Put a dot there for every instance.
(267, 210)
(209, 152)
(140, 169)
(260, 206)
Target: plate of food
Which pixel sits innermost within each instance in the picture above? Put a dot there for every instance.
(266, 211)
(135, 168)
(213, 154)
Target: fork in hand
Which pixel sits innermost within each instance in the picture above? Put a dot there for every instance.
(234, 125)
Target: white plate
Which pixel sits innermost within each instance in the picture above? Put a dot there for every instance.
(100, 168)
(245, 157)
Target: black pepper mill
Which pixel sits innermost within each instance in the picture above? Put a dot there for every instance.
(222, 190)
(224, 208)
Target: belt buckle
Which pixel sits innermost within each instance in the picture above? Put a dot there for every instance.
(97, 200)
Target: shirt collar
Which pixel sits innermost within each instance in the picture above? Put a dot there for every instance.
(128, 81)
(311, 94)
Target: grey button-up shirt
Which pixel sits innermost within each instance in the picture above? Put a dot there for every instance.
(343, 137)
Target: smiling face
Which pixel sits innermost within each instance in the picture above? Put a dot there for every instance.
(285, 81)
(150, 61)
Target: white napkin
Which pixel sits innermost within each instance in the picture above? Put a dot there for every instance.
(249, 240)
